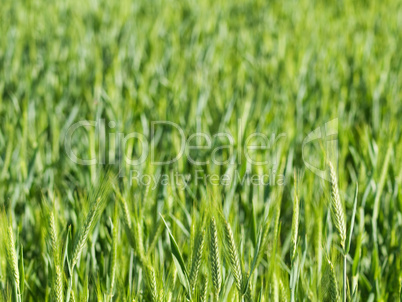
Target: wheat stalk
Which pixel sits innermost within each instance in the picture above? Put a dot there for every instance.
(295, 227)
(53, 236)
(115, 233)
(158, 233)
(172, 284)
(161, 296)
(133, 232)
(275, 288)
(338, 215)
(204, 290)
(127, 223)
(72, 297)
(215, 258)
(58, 278)
(84, 232)
(97, 203)
(126, 213)
(58, 284)
(333, 284)
(151, 282)
(294, 235)
(337, 207)
(283, 291)
(233, 256)
(12, 260)
(139, 242)
(264, 241)
(248, 295)
(196, 262)
(276, 225)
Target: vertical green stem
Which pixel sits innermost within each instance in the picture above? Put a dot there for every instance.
(292, 283)
(70, 286)
(344, 277)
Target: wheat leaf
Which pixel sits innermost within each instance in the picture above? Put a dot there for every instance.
(178, 259)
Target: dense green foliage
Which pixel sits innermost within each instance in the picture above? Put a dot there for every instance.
(92, 232)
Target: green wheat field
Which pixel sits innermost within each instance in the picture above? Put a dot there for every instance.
(200, 150)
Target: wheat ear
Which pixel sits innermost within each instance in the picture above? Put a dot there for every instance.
(84, 232)
(53, 236)
(72, 297)
(158, 233)
(215, 259)
(97, 200)
(12, 260)
(233, 256)
(58, 278)
(197, 257)
(139, 242)
(133, 232)
(294, 235)
(295, 227)
(127, 223)
(337, 210)
(58, 284)
(151, 281)
(204, 290)
(264, 242)
(333, 284)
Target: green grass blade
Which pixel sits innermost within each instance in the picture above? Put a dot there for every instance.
(178, 259)
(352, 221)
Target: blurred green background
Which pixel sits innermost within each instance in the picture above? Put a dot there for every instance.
(266, 66)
